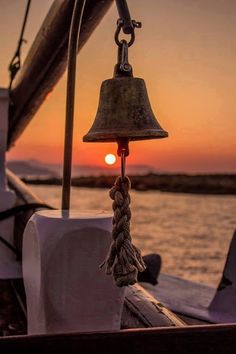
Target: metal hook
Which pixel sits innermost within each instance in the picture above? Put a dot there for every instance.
(124, 63)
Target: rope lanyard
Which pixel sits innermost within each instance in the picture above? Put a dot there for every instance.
(124, 260)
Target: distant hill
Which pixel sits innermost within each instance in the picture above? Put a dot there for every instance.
(37, 169)
(31, 168)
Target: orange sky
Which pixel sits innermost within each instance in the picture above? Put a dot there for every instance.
(186, 52)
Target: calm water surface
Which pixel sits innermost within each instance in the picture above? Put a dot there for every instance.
(190, 232)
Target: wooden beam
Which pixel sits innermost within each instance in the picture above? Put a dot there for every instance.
(47, 59)
(141, 309)
(23, 192)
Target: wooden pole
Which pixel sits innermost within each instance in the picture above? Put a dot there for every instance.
(70, 98)
(47, 59)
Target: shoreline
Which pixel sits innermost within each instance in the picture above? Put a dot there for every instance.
(219, 184)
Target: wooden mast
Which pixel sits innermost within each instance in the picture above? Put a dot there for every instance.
(46, 60)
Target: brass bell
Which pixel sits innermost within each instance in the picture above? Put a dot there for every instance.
(124, 110)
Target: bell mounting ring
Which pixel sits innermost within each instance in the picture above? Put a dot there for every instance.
(124, 23)
(120, 25)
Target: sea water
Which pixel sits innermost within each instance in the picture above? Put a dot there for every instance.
(191, 232)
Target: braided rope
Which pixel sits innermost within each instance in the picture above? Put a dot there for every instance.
(124, 260)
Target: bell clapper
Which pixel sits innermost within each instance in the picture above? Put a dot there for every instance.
(123, 152)
(123, 161)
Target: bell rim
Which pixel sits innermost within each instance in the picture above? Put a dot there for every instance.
(113, 136)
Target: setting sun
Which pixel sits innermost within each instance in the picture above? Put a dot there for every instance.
(110, 159)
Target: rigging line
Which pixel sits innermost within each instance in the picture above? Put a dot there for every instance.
(23, 207)
(12, 248)
(15, 63)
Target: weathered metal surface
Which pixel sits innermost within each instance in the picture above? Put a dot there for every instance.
(124, 111)
(47, 59)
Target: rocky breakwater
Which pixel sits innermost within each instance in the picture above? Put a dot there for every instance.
(177, 183)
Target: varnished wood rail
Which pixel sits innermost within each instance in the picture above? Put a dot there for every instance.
(217, 339)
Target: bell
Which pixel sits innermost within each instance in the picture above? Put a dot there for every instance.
(124, 112)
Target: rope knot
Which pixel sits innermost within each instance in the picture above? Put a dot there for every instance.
(124, 260)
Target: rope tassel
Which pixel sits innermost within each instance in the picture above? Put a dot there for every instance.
(124, 260)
